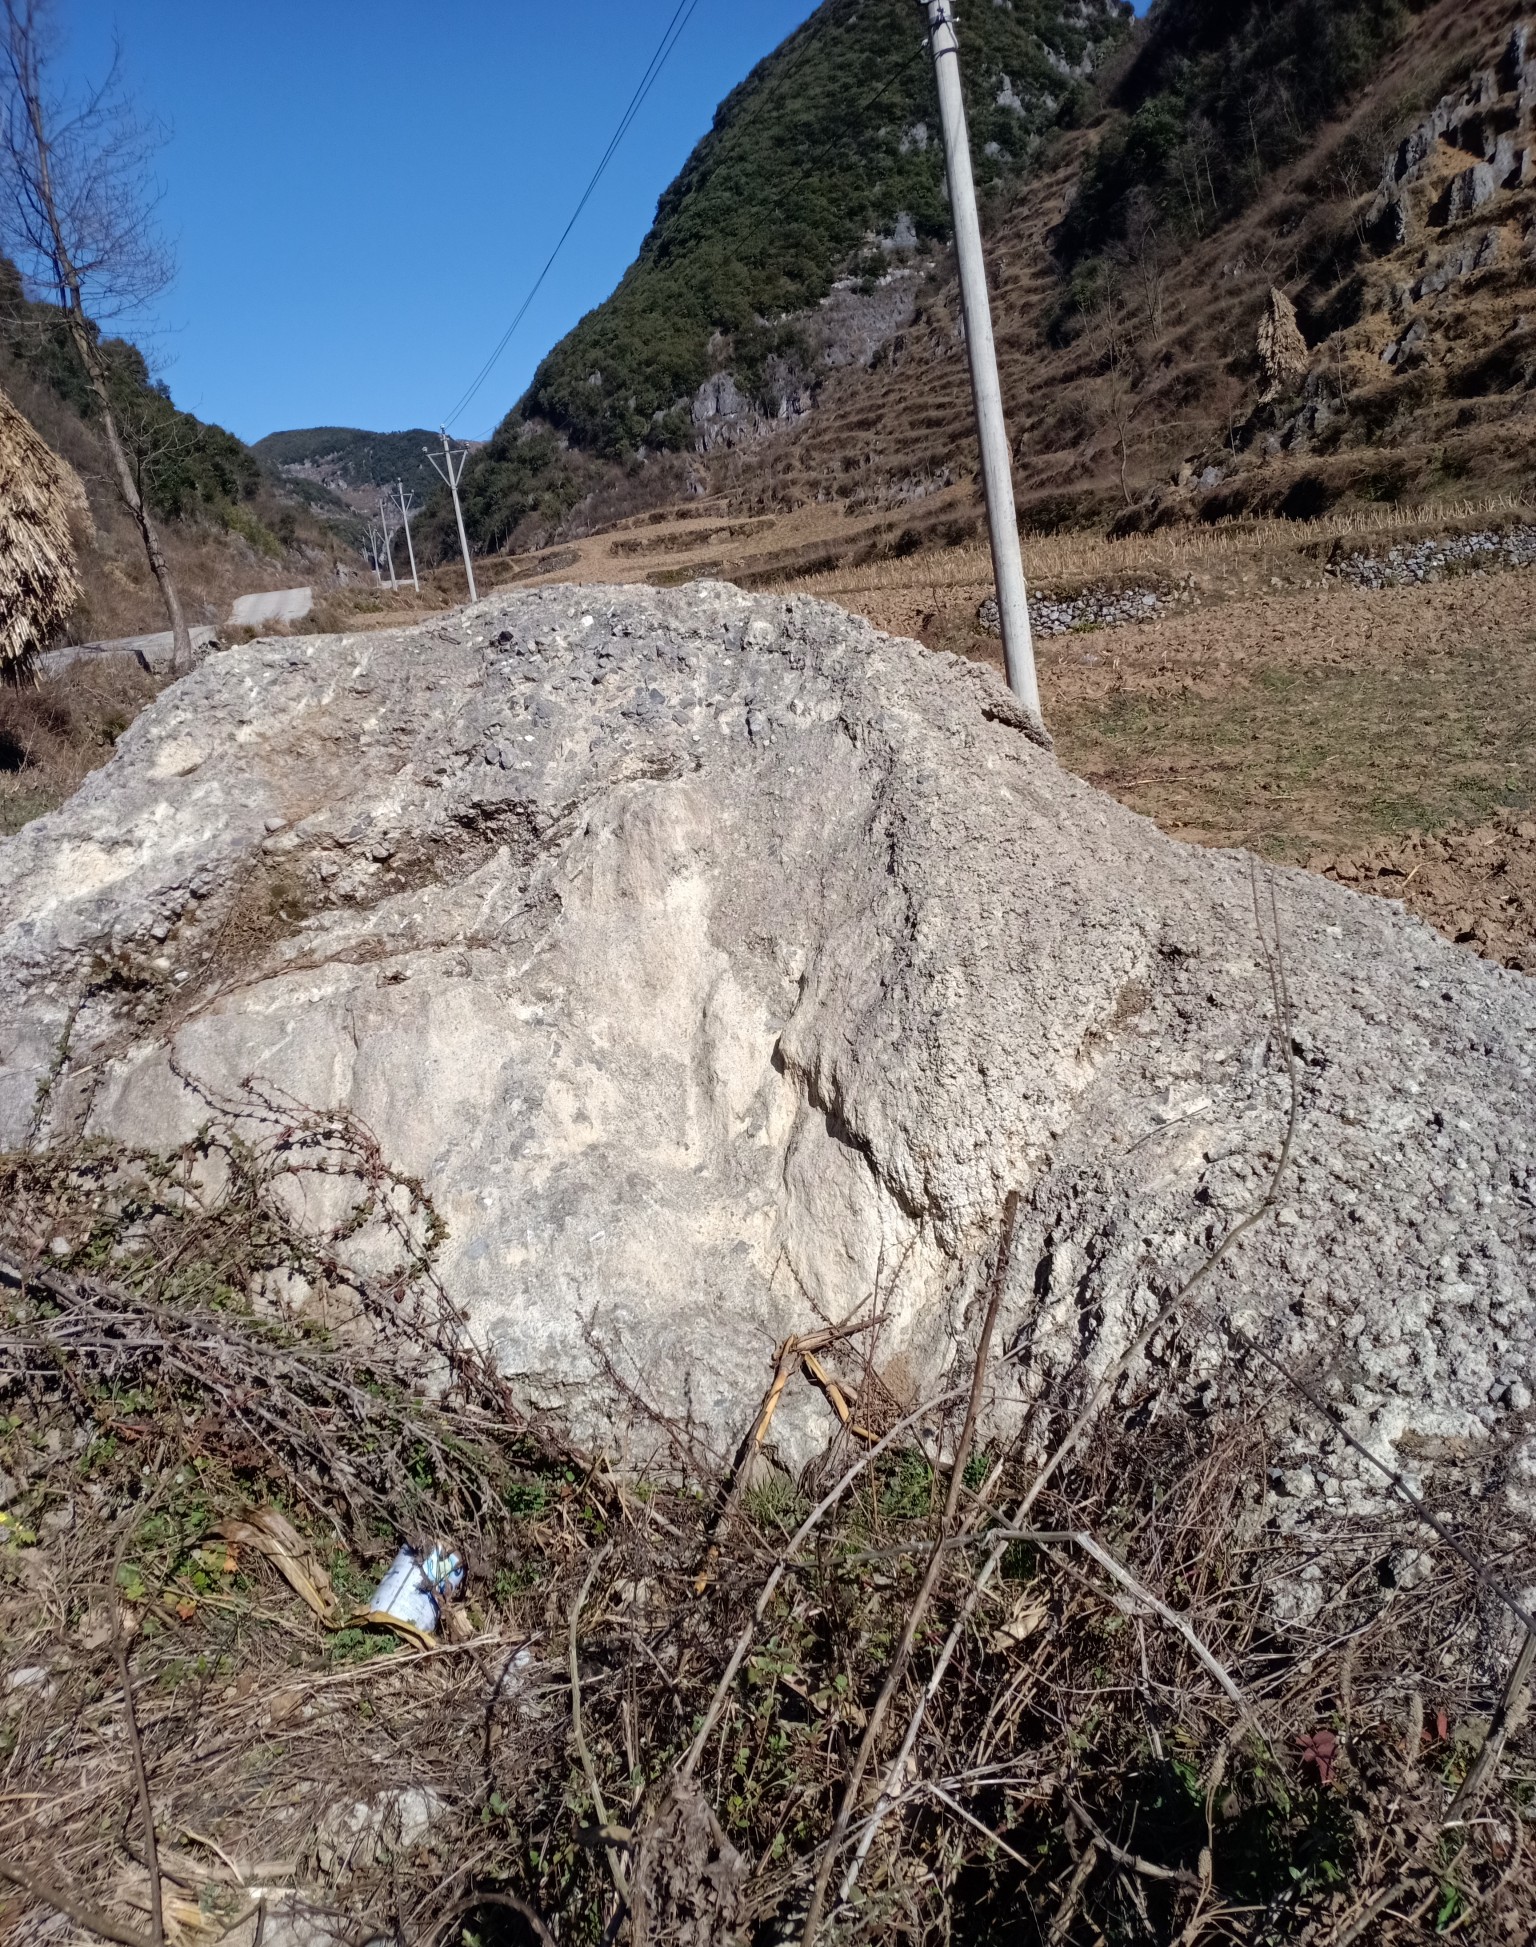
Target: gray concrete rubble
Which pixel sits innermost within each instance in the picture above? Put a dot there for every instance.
(718, 964)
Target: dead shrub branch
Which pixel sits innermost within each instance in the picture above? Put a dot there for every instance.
(175, 1357)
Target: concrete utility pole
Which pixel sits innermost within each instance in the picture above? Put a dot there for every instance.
(387, 530)
(996, 457)
(453, 475)
(409, 506)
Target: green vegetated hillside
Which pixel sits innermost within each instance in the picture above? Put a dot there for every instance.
(185, 466)
(1145, 184)
(227, 524)
(1217, 94)
(811, 165)
(344, 457)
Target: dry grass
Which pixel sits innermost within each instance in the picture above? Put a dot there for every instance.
(1060, 564)
(54, 732)
(1268, 705)
(1310, 720)
(364, 605)
(176, 1351)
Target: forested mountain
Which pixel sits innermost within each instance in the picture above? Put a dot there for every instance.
(824, 164)
(351, 464)
(186, 466)
(1214, 96)
(1261, 254)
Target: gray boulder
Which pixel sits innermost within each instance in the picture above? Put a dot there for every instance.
(719, 964)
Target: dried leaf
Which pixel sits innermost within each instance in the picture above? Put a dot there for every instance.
(270, 1533)
(1320, 1749)
(1028, 1615)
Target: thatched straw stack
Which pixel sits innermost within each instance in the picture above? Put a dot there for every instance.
(38, 583)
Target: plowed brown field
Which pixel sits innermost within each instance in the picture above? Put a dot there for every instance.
(1321, 723)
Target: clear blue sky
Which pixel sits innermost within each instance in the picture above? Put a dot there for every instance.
(360, 192)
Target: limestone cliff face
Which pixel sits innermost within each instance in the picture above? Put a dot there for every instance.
(717, 965)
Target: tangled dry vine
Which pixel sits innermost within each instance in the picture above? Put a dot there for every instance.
(655, 1710)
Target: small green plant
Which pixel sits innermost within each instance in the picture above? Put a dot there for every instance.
(242, 521)
(775, 1501)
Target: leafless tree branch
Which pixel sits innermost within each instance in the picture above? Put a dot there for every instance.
(77, 210)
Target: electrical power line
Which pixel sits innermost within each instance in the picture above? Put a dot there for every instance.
(674, 33)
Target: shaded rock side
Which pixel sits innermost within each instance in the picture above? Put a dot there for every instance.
(718, 964)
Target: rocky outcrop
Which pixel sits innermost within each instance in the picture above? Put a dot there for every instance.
(717, 965)
(856, 321)
(725, 417)
(1489, 129)
(853, 325)
(1449, 267)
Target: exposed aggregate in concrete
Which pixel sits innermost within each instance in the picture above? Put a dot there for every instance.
(719, 964)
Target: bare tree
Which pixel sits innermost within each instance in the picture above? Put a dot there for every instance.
(1114, 350)
(75, 210)
(1144, 254)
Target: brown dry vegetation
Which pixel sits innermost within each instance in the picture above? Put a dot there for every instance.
(53, 733)
(1308, 720)
(1126, 1738)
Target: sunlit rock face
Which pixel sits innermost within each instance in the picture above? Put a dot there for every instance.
(717, 965)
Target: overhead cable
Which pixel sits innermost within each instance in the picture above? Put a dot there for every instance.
(675, 29)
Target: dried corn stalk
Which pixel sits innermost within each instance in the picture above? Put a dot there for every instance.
(38, 581)
(1283, 353)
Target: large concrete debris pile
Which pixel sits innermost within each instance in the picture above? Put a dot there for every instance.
(718, 965)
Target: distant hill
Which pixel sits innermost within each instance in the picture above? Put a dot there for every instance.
(353, 465)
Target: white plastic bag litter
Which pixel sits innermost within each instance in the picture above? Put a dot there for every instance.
(415, 1584)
